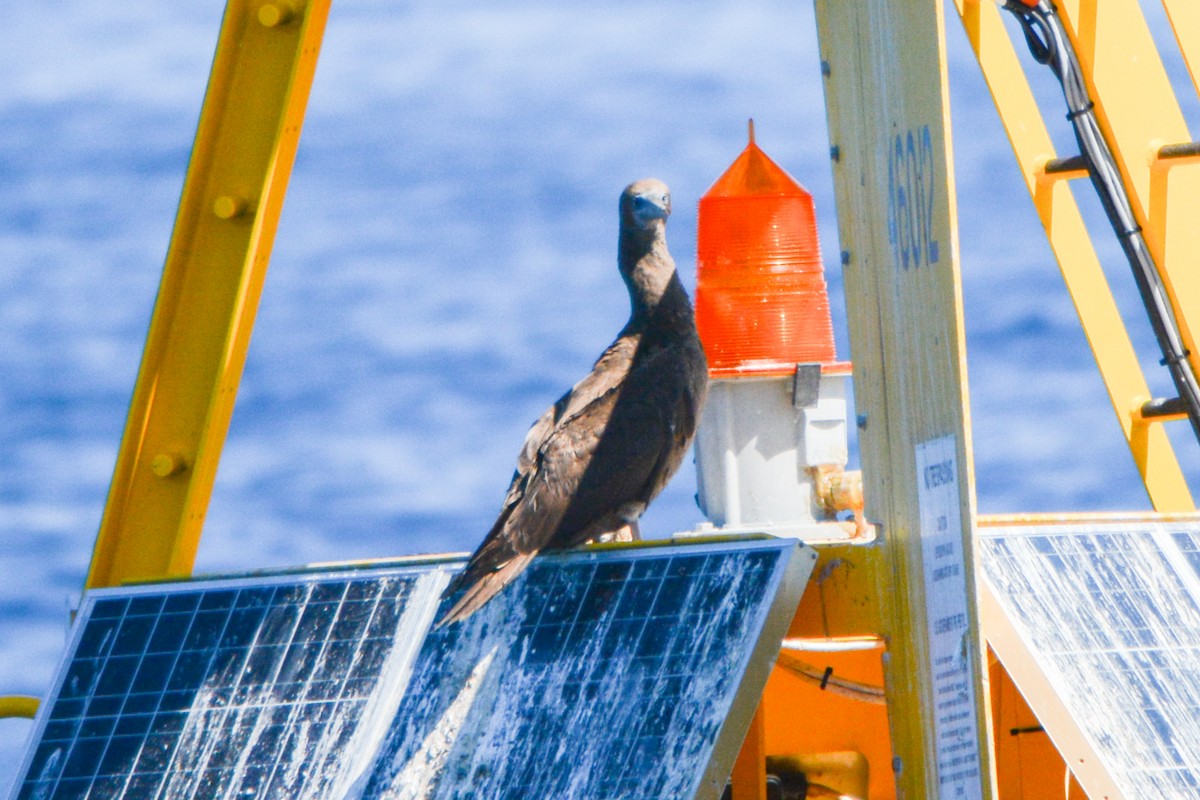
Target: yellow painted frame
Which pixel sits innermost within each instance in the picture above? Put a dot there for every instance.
(1185, 19)
(1138, 145)
(1138, 113)
(19, 705)
(1137, 109)
(200, 330)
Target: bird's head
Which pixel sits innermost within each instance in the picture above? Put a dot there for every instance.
(645, 264)
(646, 204)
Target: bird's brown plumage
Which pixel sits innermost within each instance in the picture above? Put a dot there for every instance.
(594, 461)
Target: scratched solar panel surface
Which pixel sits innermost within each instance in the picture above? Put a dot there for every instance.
(602, 678)
(597, 674)
(1112, 615)
(245, 688)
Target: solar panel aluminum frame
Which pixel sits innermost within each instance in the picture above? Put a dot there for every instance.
(761, 662)
(1039, 692)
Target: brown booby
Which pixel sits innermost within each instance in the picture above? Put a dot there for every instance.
(594, 461)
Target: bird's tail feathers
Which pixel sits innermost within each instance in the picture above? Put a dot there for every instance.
(483, 588)
(494, 550)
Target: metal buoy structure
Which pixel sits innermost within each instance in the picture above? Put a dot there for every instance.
(771, 450)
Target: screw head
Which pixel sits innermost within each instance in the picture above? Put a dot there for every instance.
(164, 465)
(227, 206)
(272, 15)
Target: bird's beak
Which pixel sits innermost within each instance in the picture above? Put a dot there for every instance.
(649, 207)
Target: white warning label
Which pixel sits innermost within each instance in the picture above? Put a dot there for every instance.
(948, 618)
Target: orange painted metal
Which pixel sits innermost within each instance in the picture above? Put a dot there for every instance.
(749, 778)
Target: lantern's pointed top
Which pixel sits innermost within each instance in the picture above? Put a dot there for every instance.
(753, 173)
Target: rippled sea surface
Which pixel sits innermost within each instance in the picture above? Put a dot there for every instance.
(444, 268)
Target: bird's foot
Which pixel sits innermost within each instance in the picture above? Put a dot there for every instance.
(626, 533)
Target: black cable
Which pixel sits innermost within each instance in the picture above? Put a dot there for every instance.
(1049, 45)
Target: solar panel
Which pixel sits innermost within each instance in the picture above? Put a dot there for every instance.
(1109, 614)
(183, 690)
(600, 673)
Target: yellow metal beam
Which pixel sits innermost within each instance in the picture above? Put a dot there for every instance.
(1137, 110)
(1185, 19)
(886, 99)
(1072, 246)
(196, 347)
(18, 705)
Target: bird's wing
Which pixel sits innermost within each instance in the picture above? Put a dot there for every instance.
(607, 374)
(613, 441)
(553, 489)
(511, 542)
(619, 449)
(679, 405)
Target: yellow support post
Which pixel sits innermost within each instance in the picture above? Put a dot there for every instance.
(887, 101)
(196, 347)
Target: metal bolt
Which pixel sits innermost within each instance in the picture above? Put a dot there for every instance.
(165, 465)
(228, 206)
(825, 70)
(845, 258)
(835, 153)
(272, 15)
(862, 422)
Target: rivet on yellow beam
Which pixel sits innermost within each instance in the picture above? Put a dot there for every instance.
(273, 15)
(164, 465)
(228, 206)
(1135, 410)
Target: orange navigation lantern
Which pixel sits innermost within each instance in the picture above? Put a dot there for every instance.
(761, 301)
(771, 450)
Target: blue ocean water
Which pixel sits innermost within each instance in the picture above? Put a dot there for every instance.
(444, 268)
